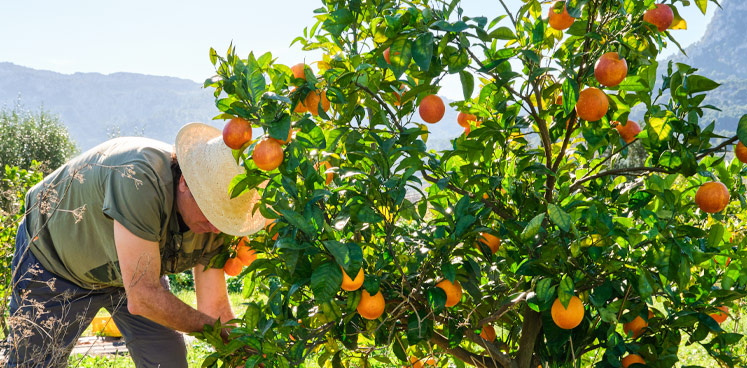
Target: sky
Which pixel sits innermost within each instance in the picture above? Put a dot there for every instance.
(173, 37)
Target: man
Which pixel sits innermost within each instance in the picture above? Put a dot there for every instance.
(106, 227)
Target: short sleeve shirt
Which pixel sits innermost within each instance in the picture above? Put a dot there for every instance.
(71, 213)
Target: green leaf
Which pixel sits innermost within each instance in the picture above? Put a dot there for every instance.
(468, 83)
(280, 129)
(503, 33)
(566, 291)
(325, 281)
(742, 129)
(634, 83)
(698, 83)
(251, 316)
(570, 95)
(644, 287)
(422, 50)
(702, 5)
(298, 221)
(659, 129)
(436, 298)
(400, 55)
(242, 183)
(533, 227)
(559, 217)
(715, 235)
(545, 290)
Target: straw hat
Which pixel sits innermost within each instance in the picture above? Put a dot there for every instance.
(208, 167)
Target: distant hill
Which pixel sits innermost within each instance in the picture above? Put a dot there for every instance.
(720, 55)
(95, 106)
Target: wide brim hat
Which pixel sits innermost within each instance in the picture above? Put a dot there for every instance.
(208, 166)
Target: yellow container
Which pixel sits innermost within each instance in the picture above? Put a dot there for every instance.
(104, 326)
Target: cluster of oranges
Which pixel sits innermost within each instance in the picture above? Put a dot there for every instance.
(244, 258)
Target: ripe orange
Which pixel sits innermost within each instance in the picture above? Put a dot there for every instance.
(559, 100)
(244, 253)
(662, 17)
(567, 318)
(592, 104)
(349, 284)
(559, 21)
(312, 102)
(371, 306)
(386, 56)
(631, 359)
(233, 267)
(635, 327)
(610, 70)
(415, 362)
(464, 118)
(488, 333)
(720, 317)
(741, 151)
(629, 131)
(268, 154)
(493, 242)
(432, 109)
(236, 133)
(298, 71)
(467, 130)
(712, 197)
(453, 291)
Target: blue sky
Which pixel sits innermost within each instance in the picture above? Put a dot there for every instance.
(172, 38)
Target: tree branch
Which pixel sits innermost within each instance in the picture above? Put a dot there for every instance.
(471, 358)
(500, 211)
(720, 146)
(500, 312)
(530, 329)
(637, 171)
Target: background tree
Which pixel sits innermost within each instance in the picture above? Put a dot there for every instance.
(26, 136)
(495, 253)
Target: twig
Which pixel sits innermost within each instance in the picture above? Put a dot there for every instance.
(720, 146)
(626, 171)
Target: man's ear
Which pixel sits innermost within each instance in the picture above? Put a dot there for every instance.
(182, 187)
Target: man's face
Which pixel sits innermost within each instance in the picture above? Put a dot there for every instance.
(190, 212)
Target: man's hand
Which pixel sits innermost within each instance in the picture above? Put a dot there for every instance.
(140, 264)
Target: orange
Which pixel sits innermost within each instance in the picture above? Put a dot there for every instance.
(467, 130)
(236, 133)
(432, 109)
(662, 17)
(712, 197)
(568, 318)
(493, 242)
(312, 102)
(244, 253)
(488, 333)
(741, 151)
(453, 291)
(464, 118)
(233, 267)
(371, 306)
(559, 100)
(349, 284)
(298, 71)
(629, 131)
(386, 56)
(268, 154)
(559, 21)
(415, 362)
(631, 359)
(610, 70)
(720, 317)
(592, 104)
(635, 327)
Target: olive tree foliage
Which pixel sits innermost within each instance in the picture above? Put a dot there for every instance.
(27, 136)
(626, 239)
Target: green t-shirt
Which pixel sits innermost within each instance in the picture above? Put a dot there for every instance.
(72, 212)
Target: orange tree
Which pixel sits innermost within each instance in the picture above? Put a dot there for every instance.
(497, 252)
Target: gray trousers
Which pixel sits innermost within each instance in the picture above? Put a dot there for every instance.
(48, 314)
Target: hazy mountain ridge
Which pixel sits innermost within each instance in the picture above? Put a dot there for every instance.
(718, 55)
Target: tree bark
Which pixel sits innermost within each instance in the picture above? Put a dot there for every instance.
(530, 329)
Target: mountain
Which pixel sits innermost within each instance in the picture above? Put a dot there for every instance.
(95, 107)
(718, 55)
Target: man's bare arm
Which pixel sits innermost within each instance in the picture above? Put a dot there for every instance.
(212, 295)
(140, 264)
